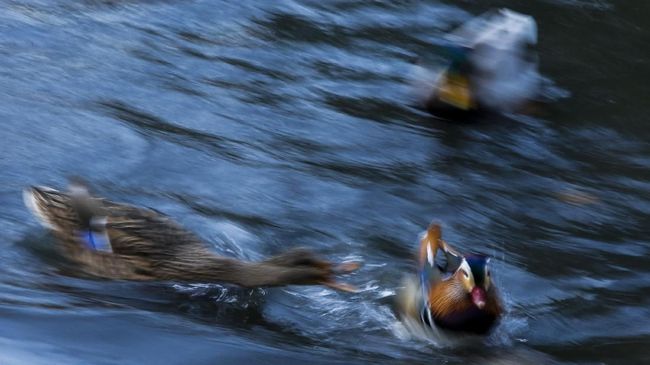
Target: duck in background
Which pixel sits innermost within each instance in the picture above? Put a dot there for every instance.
(493, 67)
(452, 292)
(120, 241)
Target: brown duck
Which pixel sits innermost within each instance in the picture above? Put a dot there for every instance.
(456, 293)
(121, 241)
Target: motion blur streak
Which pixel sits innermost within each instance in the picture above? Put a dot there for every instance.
(262, 125)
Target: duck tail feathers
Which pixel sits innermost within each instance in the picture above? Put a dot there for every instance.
(38, 199)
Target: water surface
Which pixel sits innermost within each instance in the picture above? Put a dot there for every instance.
(267, 125)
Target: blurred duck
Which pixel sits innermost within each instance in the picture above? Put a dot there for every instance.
(492, 67)
(453, 292)
(120, 241)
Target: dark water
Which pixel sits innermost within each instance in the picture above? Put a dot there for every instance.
(266, 125)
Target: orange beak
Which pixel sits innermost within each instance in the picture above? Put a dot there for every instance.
(478, 297)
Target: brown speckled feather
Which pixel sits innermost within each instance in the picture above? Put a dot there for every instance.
(147, 245)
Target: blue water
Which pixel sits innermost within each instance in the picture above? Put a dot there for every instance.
(264, 125)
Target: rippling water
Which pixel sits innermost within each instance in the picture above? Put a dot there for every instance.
(267, 125)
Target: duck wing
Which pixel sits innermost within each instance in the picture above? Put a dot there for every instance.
(428, 271)
(128, 230)
(433, 267)
(147, 233)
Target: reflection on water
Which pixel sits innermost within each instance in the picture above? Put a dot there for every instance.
(263, 126)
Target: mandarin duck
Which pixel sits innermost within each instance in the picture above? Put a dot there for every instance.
(454, 292)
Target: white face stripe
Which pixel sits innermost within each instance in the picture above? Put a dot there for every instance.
(464, 265)
(468, 278)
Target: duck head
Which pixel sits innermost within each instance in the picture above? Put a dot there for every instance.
(474, 274)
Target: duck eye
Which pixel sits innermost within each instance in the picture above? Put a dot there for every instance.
(465, 273)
